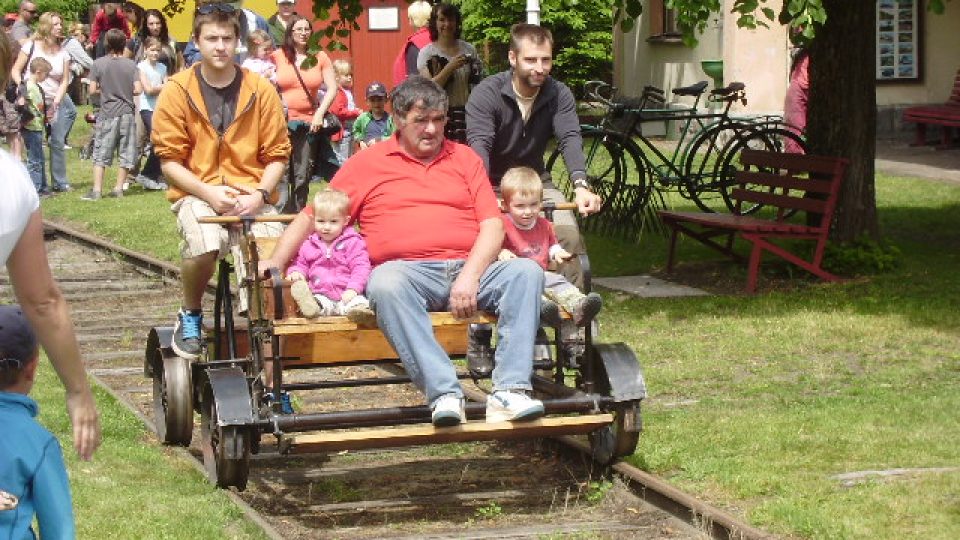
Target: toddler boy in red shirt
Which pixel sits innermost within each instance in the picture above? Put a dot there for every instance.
(531, 236)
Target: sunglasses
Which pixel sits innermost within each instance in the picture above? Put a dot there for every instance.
(207, 9)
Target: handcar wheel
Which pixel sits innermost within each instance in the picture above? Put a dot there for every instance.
(173, 401)
(614, 441)
(217, 443)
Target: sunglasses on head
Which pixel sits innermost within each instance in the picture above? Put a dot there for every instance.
(207, 9)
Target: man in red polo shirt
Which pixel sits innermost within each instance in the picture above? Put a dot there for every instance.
(433, 229)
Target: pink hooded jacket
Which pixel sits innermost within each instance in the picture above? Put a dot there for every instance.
(333, 268)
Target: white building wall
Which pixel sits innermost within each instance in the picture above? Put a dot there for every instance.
(758, 58)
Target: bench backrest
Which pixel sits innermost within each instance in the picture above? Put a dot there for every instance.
(790, 182)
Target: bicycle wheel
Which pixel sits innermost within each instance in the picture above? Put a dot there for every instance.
(606, 166)
(773, 139)
(699, 183)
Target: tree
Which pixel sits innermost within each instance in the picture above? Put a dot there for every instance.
(582, 33)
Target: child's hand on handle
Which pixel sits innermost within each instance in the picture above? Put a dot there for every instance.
(295, 276)
(561, 256)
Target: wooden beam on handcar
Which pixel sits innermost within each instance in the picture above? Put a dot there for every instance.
(299, 325)
(331, 441)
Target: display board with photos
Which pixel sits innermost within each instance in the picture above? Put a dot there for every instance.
(898, 40)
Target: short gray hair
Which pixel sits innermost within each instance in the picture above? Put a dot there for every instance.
(418, 90)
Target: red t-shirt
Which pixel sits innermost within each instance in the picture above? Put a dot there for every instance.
(414, 211)
(533, 243)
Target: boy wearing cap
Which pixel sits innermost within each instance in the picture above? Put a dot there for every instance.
(374, 125)
(33, 479)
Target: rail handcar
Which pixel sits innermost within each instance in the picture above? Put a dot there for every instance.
(586, 387)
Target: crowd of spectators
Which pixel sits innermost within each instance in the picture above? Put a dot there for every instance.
(273, 47)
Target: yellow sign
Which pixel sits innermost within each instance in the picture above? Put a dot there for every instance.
(182, 23)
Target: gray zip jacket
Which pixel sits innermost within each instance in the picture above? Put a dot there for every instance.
(495, 128)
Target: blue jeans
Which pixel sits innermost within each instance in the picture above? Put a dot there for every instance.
(36, 161)
(344, 147)
(403, 292)
(62, 123)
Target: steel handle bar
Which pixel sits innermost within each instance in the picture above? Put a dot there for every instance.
(287, 218)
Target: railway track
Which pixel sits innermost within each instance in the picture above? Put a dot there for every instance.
(536, 489)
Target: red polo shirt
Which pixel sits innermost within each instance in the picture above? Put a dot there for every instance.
(414, 211)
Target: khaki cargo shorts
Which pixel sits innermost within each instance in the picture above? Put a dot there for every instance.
(197, 238)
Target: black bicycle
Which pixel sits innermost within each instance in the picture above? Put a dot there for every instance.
(628, 168)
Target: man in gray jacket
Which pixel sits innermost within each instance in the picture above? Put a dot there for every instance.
(511, 117)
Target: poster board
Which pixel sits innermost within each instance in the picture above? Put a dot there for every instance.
(898, 55)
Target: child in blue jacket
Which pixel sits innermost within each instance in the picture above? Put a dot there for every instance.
(33, 479)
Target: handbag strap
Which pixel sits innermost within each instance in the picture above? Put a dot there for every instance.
(23, 72)
(303, 85)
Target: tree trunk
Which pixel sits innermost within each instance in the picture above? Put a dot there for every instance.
(842, 112)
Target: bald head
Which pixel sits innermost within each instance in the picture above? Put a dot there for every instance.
(28, 11)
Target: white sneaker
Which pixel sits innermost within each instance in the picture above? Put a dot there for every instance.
(448, 411)
(506, 406)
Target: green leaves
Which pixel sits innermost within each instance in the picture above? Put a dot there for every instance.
(582, 31)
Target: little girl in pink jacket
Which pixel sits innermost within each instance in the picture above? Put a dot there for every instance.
(331, 268)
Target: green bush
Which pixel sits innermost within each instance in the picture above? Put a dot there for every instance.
(70, 9)
(861, 257)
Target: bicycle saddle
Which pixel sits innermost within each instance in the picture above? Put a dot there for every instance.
(729, 89)
(692, 90)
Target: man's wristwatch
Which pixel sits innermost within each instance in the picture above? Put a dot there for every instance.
(265, 194)
(581, 183)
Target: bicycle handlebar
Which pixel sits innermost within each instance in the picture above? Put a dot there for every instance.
(595, 90)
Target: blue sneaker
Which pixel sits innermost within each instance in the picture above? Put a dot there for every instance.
(187, 334)
(286, 407)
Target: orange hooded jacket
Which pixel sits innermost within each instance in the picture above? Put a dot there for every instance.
(182, 132)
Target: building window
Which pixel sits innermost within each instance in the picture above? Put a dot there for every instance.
(663, 22)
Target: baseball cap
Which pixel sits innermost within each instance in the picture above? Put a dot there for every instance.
(18, 343)
(376, 89)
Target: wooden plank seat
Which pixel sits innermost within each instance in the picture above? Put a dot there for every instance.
(783, 182)
(332, 441)
(945, 115)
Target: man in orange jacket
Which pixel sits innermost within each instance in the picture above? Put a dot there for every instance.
(221, 137)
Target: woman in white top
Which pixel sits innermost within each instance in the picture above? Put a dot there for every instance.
(46, 44)
(452, 63)
(23, 253)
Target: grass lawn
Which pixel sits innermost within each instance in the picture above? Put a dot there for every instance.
(756, 402)
(135, 488)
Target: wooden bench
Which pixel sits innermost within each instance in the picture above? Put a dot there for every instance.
(784, 184)
(946, 115)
